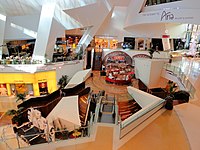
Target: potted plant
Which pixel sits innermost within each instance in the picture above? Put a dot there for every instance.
(76, 133)
(21, 96)
(169, 102)
(16, 115)
(171, 89)
(63, 81)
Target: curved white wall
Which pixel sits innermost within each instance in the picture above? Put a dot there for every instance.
(153, 21)
(69, 69)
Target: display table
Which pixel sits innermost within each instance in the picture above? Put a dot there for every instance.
(119, 73)
(118, 81)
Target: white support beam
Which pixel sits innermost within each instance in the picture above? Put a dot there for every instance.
(44, 30)
(2, 30)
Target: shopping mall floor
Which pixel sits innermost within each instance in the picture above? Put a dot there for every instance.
(170, 131)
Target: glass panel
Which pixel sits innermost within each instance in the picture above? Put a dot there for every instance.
(163, 1)
(156, 2)
(194, 28)
(182, 78)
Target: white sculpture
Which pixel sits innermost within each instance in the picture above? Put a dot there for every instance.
(36, 118)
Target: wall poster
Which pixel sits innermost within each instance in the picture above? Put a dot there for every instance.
(43, 88)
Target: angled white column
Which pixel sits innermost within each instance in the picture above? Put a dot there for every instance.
(133, 10)
(65, 20)
(102, 6)
(53, 23)
(44, 31)
(2, 29)
(86, 38)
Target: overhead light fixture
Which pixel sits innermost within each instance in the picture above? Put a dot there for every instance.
(2, 17)
(113, 15)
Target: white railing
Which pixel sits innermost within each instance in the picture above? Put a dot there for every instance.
(139, 117)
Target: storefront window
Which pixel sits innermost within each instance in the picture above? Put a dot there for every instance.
(30, 89)
(20, 48)
(192, 33)
(156, 2)
(3, 90)
(21, 88)
(72, 41)
(106, 42)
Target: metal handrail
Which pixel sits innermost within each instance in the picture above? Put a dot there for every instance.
(97, 110)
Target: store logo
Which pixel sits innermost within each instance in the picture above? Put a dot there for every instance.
(167, 16)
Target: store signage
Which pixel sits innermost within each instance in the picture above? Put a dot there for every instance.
(18, 81)
(166, 16)
(165, 41)
(42, 80)
(151, 14)
(165, 36)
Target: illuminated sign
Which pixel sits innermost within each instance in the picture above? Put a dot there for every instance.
(166, 16)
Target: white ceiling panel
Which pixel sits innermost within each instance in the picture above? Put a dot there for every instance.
(20, 7)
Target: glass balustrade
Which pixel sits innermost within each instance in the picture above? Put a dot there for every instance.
(182, 78)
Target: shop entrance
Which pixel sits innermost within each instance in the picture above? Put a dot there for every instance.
(21, 88)
(43, 88)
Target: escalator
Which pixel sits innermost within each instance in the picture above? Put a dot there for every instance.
(107, 110)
